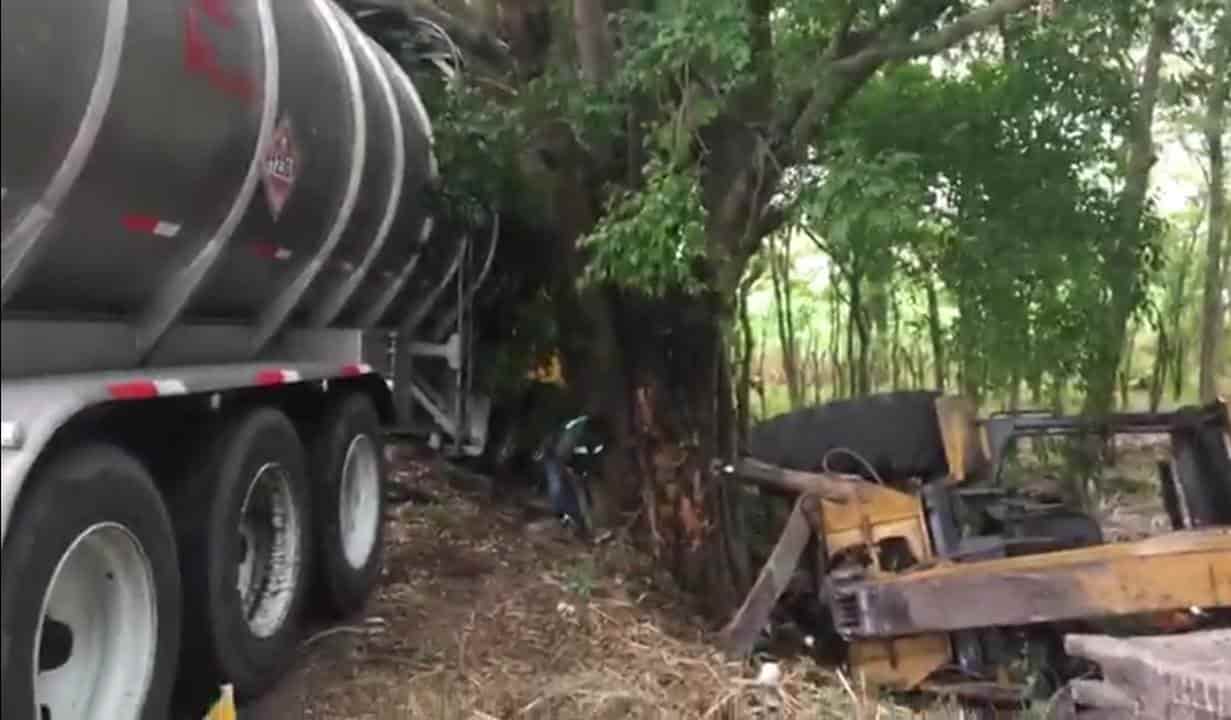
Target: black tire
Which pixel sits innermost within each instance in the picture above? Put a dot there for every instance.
(345, 587)
(1203, 474)
(80, 489)
(897, 433)
(220, 645)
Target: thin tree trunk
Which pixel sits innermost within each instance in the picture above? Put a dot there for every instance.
(743, 384)
(818, 378)
(760, 382)
(835, 336)
(852, 383)
(934, 330)
(1178, 339)
(1158, 378)
(1126, 374)
(1101, 371)
(1216, 227)
(860, 376)
(895, 343)
(1179, 357)
(780, 276)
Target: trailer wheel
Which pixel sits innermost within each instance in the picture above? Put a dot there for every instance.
(243, 523)
(349, 468)
(90, 598)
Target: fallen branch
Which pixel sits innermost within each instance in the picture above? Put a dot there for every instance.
(827, 486)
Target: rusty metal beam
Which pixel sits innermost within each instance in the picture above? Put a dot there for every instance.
(1174, 571)
(740, 634)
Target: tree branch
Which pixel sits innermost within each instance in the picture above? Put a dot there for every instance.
(463, 29)
(961, 28)
(843, 76)
(944, 38)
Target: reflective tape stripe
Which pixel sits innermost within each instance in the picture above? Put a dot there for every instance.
(139, 389)
(150, 225)
(353, 369)
(272, 251)
(276, 377)
(167, 229)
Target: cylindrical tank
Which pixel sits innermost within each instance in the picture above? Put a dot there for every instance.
(259, 163)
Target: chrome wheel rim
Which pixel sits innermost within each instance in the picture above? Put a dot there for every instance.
(359, 501)
(269, 550)
(97, 639)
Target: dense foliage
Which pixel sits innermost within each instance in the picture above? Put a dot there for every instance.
(970, 181)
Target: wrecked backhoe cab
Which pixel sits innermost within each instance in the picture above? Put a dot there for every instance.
(957, 585)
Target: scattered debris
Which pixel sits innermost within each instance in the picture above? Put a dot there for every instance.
(554, 629)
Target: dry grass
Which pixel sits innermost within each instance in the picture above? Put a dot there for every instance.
(484, 615)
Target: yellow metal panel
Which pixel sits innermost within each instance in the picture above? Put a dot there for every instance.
(876, 504)
(878, 513)
(1213, 542)
(1169, 572)
(964, 450)
(901, 663)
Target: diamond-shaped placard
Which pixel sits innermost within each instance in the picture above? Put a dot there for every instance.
(281, 167)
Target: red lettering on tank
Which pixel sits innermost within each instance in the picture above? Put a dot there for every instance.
(219, 10)
(200, 55)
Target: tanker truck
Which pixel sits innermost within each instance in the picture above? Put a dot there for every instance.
(217, 222)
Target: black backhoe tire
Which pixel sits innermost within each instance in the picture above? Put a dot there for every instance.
(897, 433)
(93, 498)
(256, 464)
(1205, 478)
(348, 514)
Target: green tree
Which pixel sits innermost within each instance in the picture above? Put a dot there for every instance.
(657, 144)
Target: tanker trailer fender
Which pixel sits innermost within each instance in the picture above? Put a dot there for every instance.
(34, 410)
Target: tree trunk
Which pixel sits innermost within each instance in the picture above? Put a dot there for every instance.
(818, 373)
(676, 409)
(1179, 358)
(835, 337)
(937, 337)
(780, 277)
(1125, 287)
(1158, 378)
(1216, 227)
(594, 46)
(895, 343)
(743, 384)
(1126, 373)
(861, 380)
(760, 381)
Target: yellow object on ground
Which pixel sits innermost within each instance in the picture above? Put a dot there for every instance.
(550, 371)
(224, 709)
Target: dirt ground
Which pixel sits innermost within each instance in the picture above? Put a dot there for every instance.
(486, 611)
